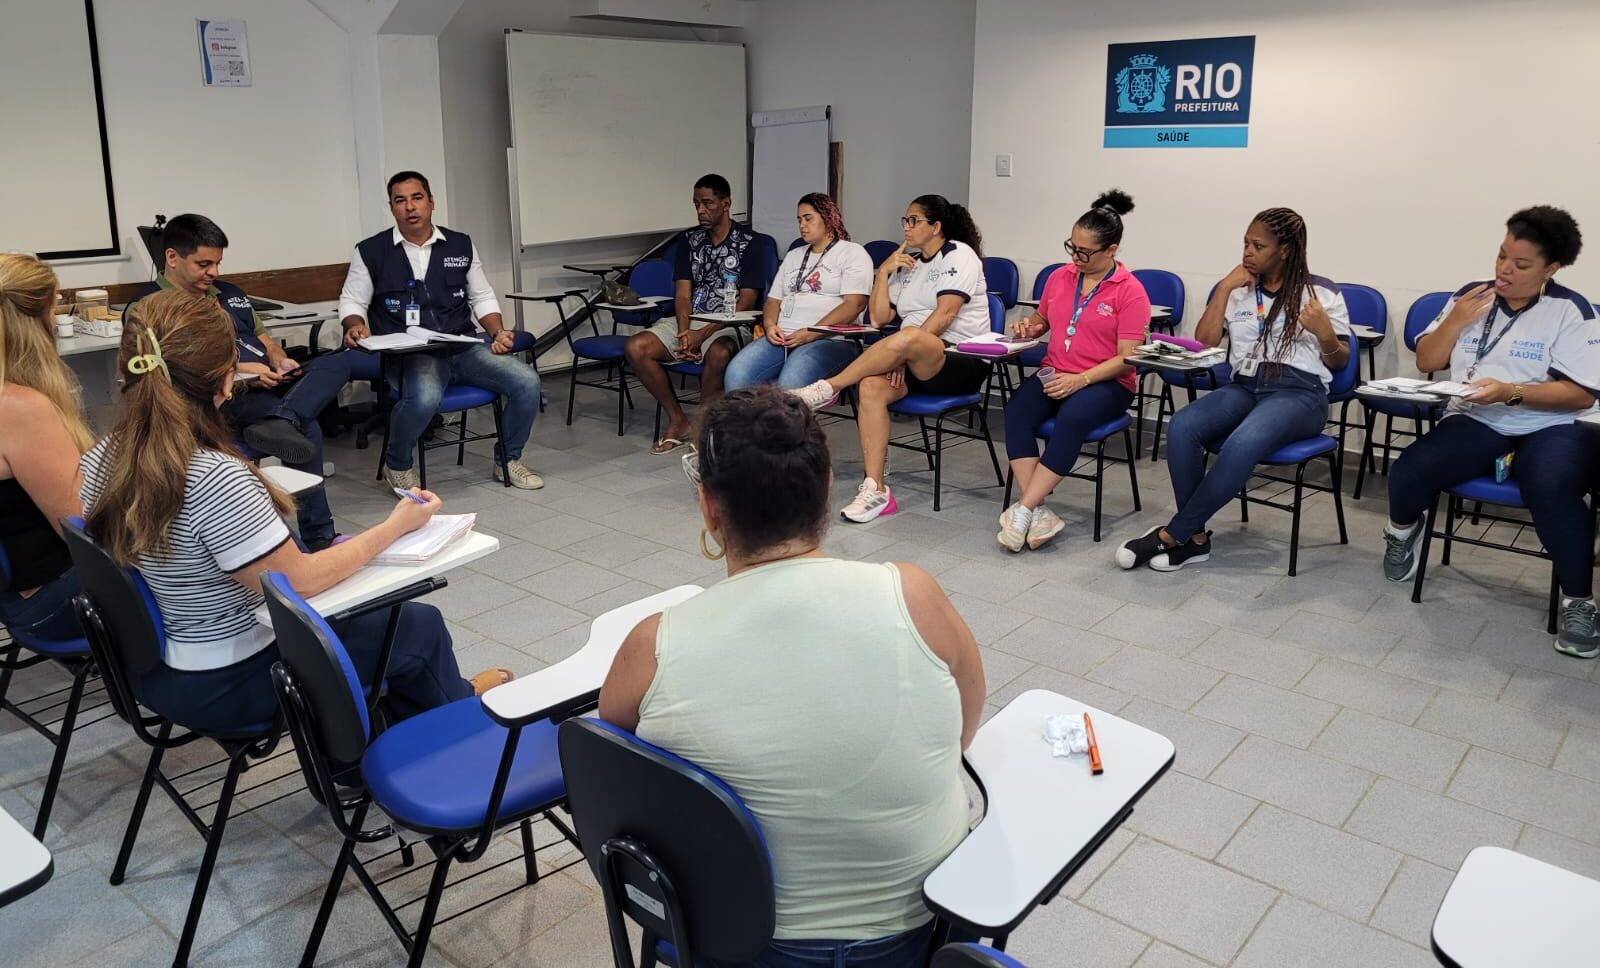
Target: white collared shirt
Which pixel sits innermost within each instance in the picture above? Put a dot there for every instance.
(357, 293)
(955, 270)
(1246, 340)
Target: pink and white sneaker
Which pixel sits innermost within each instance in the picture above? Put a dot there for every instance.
(817, 395)
(869, 503)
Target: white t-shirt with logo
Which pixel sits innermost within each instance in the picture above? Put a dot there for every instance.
(1555, 336)
(1246, 341)
(810, 286)
(953, 270)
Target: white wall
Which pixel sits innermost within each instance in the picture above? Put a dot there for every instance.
(899, 76)
(1404, 133)
(273, 164)
(413, 117)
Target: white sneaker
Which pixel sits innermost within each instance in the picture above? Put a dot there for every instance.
(521, 476)
(1046, 525)
(1014, 528)
(405, 480)
(869, 503)
(816, 395)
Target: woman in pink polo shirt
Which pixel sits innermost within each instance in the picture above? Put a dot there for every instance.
(1096, 313)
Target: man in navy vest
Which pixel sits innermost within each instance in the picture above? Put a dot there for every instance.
(418, 275)
(277, 411)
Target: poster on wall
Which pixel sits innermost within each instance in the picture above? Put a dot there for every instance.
(1179, 93)
(224, 53)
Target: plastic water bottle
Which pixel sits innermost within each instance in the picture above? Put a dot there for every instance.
(730, 293)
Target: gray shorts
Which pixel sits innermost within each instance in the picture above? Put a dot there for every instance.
(666, 330)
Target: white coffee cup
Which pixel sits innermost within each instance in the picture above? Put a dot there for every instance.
(64, 326)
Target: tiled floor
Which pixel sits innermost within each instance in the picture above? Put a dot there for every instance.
(1339, 748)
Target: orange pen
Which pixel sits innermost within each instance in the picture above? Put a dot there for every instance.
(1095, 765)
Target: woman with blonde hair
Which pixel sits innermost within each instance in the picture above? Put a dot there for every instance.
(168, 493)
(42, 435)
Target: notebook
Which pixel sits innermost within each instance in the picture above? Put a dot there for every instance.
(416, 548)
(413, 336)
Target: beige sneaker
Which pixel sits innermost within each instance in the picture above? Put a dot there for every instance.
(405, 480)
(1046, 525)
(1014, 526)
(521, 476)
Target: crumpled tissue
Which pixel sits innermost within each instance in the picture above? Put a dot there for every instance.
(1066, 735)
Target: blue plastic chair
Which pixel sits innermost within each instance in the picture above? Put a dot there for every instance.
(1191, 383)
(127, 637)
(453, 774)
(1367, 308)
(1034, 355)
(939, 406)
(1164, 289)
(1481, 491)
(1300, 453)
(652, 277)
(880, 250)
(1003, 279)
(72, 655)
(797, 243)
(969, 955)
(458, 398)
(673, 848)
(1418, 318)
(1098, 437)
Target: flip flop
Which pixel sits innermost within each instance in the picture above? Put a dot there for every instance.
(489, 678)
(669, 444)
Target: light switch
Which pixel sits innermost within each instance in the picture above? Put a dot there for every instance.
(1002, 165)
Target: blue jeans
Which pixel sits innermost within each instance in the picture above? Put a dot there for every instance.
(1554, 468)
(908, 950)
(299, 402)
(761, 362)
(427, 375)
(1075, 417)
(1250, 418)
(47, 614)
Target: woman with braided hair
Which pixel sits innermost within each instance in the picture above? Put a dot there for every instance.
(1286, 332)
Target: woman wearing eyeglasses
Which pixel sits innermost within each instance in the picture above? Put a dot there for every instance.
(935, 284)
(841, 726)
(1096, 313)
(822, 282)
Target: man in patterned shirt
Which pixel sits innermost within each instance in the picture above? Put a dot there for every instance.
(712, 256)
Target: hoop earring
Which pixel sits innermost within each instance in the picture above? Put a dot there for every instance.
(706, 551)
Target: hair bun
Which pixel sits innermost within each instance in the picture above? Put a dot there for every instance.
(783, 427)
(1116, 200)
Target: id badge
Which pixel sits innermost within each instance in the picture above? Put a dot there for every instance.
(413, 315)
(1247, 367)
(786, 308)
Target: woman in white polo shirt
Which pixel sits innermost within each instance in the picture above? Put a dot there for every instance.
(825, 281)
(1531, 348)
(935, 284)
(1286, 332)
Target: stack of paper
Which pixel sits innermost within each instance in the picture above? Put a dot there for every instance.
(1405, 384)
(1172, 351)
(425, 542)
(412, 337)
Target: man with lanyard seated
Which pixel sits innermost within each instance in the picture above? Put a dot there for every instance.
(417, 274)
(276, 411)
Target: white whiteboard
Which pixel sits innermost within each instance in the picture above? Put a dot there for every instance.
(791, 160)
(611, 132)
(55, 182)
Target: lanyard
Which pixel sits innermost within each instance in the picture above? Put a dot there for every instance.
(800, 276)
(1261, 313)
(1485, 345)
(1078, 303)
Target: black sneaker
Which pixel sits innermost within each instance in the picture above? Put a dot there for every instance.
(280, 438)
(1171, 559)
(1140, 550)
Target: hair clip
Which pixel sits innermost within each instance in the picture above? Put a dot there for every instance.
(145, 362)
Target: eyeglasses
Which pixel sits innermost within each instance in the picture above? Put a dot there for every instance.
(912, 221)
(691, 466)
(1082, 255)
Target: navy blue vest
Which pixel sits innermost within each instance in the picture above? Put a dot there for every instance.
(237, 305)
(442, 291)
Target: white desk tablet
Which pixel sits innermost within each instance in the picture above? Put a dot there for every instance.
(289, 480)
(580, 674)
(1506, 910)
(375, 580)
(25, 864)
(1045, 816)
(742, 316)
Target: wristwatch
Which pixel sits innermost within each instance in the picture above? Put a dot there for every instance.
(1515, 399)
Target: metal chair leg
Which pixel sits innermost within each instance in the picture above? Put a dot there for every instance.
(461, 447)
(1364, 462)
(58, 762)
(1426, 524)
(331, 895)
(1336, 469)
(936, 456)
(1099, 483)
(208, 861)
(1294, 524)
(983, 422)
(927, 448)
(430, 908)
(140, 802)
(572, 391)
(1451, 510)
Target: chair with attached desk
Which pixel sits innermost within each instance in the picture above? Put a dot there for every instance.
(879, 250)
(1299, 454)
(458, 398)
(1481, 491)
(1164, 289)
(453, 774)
(1508, 910)
(673, 848)
(73, 657)
(125, 635)
(1368, 310)
(650, 278)
(1418, 318)
(970, 955)
(1003, 279)
(940, 406)
(1191, 382)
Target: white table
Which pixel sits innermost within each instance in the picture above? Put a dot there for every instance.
(1505, 910)
(579, 675)
(298, 314)
(289, 480)
(82, 343)
(25, 863)
(1045, 814)
(375, 581)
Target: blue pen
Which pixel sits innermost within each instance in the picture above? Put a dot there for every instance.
(409, 496)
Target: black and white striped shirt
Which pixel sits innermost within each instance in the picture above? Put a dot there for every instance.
(227, 522)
